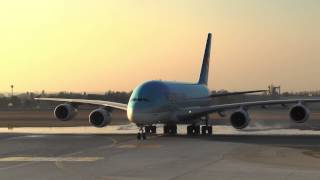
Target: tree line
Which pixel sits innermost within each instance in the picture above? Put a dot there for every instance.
(26, 100)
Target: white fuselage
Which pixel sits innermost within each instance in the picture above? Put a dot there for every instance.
(164, 102)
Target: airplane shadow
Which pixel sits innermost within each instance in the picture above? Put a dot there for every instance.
(292, 141)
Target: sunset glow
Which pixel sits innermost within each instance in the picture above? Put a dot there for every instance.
(100, 45)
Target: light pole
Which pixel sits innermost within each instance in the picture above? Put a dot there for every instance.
(12, 90)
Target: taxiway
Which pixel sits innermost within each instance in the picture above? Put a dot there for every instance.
(121, 156)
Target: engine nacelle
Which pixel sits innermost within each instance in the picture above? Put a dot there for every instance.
(240, 119)
(100, 118)
(65, 112)
(299, 113)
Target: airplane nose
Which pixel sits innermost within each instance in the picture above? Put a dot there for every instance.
(135, 116)
(130, 114)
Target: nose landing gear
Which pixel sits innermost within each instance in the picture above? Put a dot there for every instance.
(141, 134)
(151, 129)
(146, 130)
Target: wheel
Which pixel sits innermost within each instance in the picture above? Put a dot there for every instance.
(196, 130)
(144, 137)
(154, 129)
(209, 130)
(165, 129)
(189, 131)
(139, 136)
(204, 130)
(147, 129)
(173, 129)
(193, 130)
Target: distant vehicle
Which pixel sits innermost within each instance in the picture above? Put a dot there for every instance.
(172, 103)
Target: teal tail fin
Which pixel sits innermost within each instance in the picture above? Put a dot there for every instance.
(205, 63)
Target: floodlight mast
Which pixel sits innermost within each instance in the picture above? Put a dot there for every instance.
(12, 90)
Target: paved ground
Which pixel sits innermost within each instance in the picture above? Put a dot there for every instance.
(271, 148)
(111, 156)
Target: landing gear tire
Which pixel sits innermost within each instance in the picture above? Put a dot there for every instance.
(170, 129)
(147, 129)
(154, 129)
(189, 130)
(165, 129)
(197, 130)
(206, 130)
(193, 130)
(151, 129)
(173, 130)
(142, 134)
(210, 130)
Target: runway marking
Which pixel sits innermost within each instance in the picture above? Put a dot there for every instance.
(49, 159)
(59, 164)
(114, 142)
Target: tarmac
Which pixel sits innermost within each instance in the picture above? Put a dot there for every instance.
(228, 154)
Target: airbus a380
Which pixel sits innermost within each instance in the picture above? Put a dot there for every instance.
(172, 103)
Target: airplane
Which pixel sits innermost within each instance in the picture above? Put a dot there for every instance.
(172, 103)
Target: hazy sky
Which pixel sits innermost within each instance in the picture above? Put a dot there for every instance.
(97, 45)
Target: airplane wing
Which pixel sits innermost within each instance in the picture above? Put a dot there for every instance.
(235, 93)
(110, 104)
(201, 111)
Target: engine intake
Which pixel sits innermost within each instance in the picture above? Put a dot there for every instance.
(65, 112)
(240, 119)
(100, 118)
(299, 113)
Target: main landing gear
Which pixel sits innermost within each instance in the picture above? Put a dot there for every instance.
(206, 130)
(194, 130)
(151, 129)
(170, 129)
(143, 131)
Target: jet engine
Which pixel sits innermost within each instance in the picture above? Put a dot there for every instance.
(299, 113)
(65, 112)
(240, 119)
(100, 118)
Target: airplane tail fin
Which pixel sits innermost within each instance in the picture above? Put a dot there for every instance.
(205, 63)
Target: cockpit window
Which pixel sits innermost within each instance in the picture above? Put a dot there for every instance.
(140, 99)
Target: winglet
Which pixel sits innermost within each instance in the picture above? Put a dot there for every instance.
(203, 79)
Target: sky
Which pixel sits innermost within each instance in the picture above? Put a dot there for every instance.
(100, 45)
